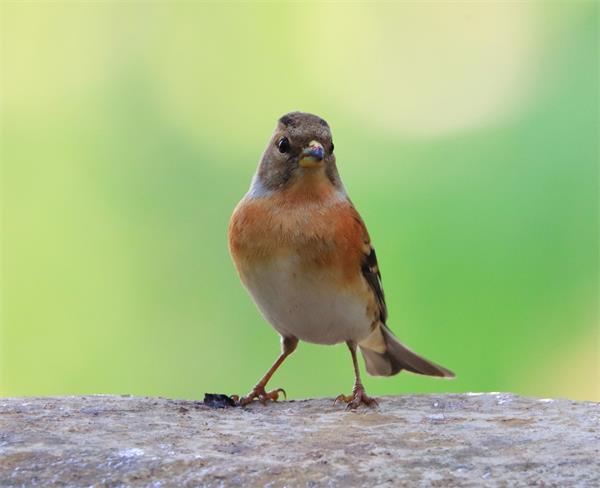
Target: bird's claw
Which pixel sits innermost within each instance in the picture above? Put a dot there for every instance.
(358, 397)
(259, 393)
(343, 398)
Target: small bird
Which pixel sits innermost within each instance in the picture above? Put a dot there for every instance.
(304, 254)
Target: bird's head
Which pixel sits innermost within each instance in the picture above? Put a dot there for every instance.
(300, 149)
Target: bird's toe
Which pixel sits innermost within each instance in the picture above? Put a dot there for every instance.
(263, 396)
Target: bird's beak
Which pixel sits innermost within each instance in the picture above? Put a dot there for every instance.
(312, 155)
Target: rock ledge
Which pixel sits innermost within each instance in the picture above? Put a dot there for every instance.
(419, 440)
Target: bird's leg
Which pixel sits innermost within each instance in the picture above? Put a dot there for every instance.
(359, 395)
(288, 345)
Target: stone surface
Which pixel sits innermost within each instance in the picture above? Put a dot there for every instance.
(426, 440)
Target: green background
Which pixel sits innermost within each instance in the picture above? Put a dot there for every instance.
(466, 135)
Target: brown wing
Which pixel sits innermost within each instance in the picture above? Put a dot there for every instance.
(370, 271)
(370, 268)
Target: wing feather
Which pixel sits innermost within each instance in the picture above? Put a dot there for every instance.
(370, 269)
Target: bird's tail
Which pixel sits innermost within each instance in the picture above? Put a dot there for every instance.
(386, 356)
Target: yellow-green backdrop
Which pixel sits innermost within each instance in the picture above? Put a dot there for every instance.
(466, 134)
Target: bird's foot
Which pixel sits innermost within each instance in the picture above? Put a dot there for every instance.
(358, 397)
(259, 393)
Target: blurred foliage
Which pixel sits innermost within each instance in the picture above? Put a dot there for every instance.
(466, 134)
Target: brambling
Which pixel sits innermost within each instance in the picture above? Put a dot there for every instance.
(303, 252)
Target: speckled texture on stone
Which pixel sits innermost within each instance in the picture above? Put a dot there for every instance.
(425, 440)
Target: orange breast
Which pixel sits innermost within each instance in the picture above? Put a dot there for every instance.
(324, 232)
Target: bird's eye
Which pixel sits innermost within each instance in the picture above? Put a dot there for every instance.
(283, 145)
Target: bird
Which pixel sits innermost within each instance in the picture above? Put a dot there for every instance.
(303, 253)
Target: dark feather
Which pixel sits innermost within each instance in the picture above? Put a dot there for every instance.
(370, 271)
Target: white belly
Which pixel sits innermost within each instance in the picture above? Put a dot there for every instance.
(306, 305)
